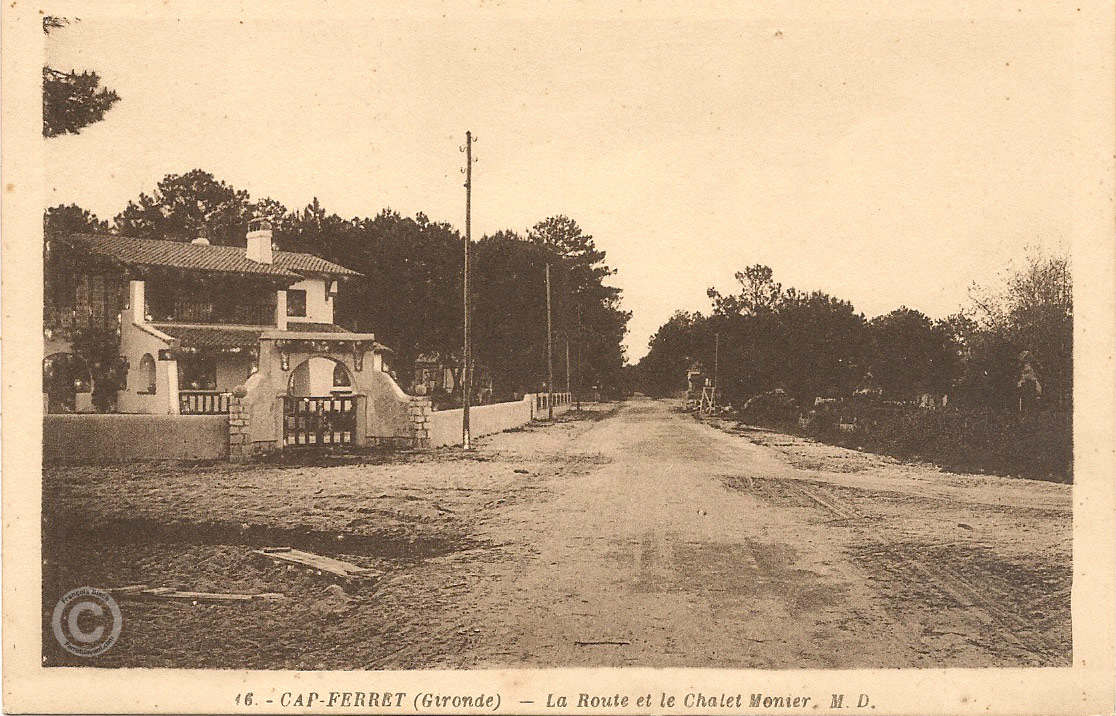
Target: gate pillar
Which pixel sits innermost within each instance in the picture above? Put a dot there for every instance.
(360, 435)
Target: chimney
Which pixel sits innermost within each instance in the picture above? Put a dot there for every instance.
(203, 239)
(259, 240)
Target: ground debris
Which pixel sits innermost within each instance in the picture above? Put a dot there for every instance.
(143, 592)
(319, 563)
(332, 600)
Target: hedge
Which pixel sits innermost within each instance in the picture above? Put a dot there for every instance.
(1033, 444)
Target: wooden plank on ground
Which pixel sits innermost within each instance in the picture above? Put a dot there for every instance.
(336, 567)
(140, 592)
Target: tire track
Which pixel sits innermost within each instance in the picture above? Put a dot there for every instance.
(938, 584)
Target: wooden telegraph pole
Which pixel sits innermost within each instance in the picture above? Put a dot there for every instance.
(577, 381)
(709, 392)
(466, 373)
(549, 353)
(716, 367)
(567, 364)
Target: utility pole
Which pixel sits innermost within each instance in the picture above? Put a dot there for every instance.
(709, 392)
(567, 364)
(716, 366)
(577, 383)
(549, 353)
(466, 373)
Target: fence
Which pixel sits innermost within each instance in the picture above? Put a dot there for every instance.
(541, 403)
(203, 402)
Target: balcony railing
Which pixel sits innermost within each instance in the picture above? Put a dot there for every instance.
(203, 402)
(200, 311)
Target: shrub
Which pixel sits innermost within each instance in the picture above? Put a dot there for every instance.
(1036, 444)
(1032, 444)
(772, 407)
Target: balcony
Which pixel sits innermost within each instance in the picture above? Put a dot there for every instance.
(181, 310)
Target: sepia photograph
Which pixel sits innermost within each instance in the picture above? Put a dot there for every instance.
(458, 338)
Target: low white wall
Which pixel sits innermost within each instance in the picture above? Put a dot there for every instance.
(445, 425)
(389, 418)
(112, 438)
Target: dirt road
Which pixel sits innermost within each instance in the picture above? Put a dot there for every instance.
(641, 537)
(687, 546)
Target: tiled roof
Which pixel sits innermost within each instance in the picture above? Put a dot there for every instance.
(201, 257)
(212, 336)
(309, 263)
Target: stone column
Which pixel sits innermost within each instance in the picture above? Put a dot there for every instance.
(419, 411)
(240, 446)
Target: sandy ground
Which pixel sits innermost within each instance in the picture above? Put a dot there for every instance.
(633, 536)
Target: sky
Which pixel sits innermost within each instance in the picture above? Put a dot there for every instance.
(886, 160)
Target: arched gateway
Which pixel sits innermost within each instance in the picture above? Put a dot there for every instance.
(320, 409)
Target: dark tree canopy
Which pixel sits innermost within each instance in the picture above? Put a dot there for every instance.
(1030, 312)
(509, 311)
(72, 218)
(674, 348)
(812, 344)
(911, 354)
(72, 100)
(758, 293)
(588, 310)
(184, 206)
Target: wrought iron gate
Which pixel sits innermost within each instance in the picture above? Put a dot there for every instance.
(319, 421)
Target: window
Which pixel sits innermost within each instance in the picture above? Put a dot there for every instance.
(197, 373)
(147, 375)
(296, 303)
(341, 381)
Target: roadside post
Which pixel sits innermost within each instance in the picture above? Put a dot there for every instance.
(549, 353)
(466, 377)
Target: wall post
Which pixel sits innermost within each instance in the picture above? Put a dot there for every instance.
(240, 445)
(360, 433)
(419, 412)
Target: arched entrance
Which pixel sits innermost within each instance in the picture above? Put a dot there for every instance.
(319, 376)
(319, 408)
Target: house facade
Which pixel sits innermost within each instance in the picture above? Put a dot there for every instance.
(191, 323)
(194, 351)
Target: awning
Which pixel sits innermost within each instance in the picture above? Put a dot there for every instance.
(210, 340)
